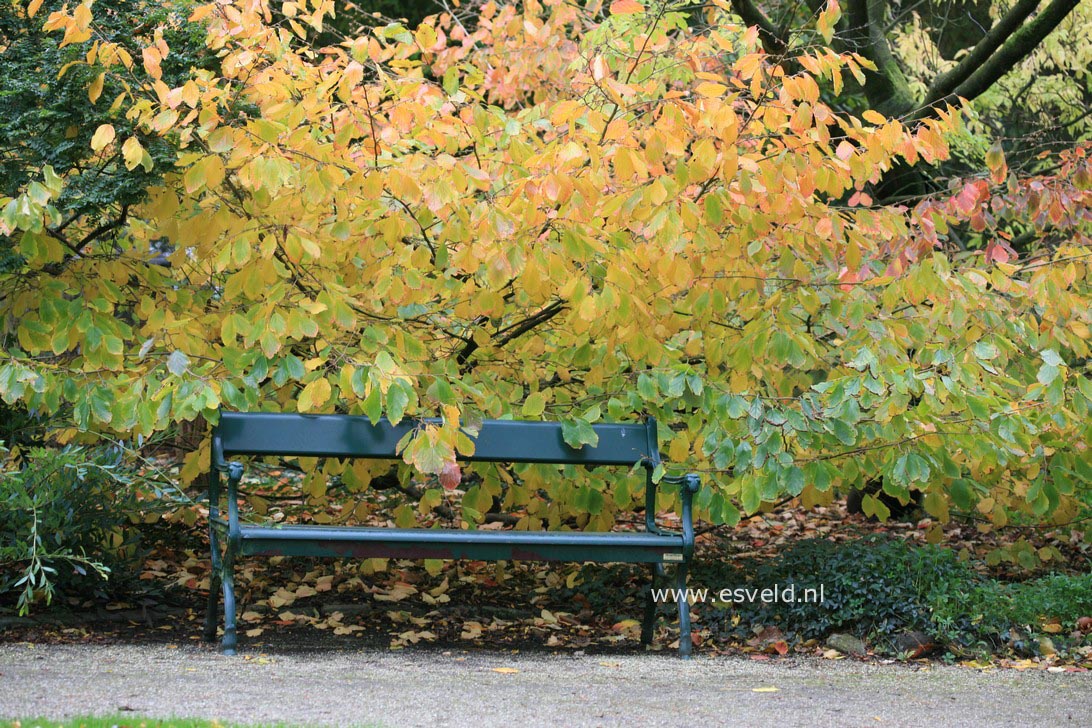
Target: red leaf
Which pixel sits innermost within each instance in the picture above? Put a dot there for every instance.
(997, 252)
(967, 199)
(847, 278)
(451, 475)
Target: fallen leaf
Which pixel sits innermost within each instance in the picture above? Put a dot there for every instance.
(505, 670)
(781, 647)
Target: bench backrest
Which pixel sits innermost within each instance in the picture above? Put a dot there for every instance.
(351, 436)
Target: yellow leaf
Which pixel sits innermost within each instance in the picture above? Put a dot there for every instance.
(505, 670)
(132, 152)
(314, 395)
(711, 89)
(95, 89)
(679, 448)
(587, 309)
(874, 117)
(425, 36)
(32, 9)
(104, 135)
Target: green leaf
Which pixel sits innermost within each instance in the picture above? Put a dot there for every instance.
(404, 517)
(373, 404)
(1051, 357)
(113, 345)
(978, 407)
(985, 350)
(845, 432)
(875, 508)
(1047, 374)
(427, 456)
(793, 480)
(441, 391)
(750, 494)
(961, 494)
(397, 399)
(735, 407)
(534, 405)
(177, 363)
(100, 405)
(294, 367)
(578, 433)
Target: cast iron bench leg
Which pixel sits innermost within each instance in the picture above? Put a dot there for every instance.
(685, 645)
(648, 624)
(232, 544)
(229, 641)
(212, 610)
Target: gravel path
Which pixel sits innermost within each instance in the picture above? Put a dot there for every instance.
(430, 688)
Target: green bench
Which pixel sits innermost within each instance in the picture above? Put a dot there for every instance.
(343, 436)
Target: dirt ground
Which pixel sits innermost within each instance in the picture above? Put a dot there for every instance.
(431, 687)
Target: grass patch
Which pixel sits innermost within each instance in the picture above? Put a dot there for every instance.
(130, 722)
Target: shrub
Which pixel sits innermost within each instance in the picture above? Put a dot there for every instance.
(991, 612)
(64, 523)
(873, 586)
(877, 587)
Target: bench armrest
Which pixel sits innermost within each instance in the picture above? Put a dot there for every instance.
(689, 484)
(234, 472)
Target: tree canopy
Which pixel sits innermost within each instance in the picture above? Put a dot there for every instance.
(574, 213)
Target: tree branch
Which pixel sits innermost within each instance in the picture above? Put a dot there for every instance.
(886, 88)
(1016, 48)
(101, 230)
(509, 333)
(771, 39)
(945, 83)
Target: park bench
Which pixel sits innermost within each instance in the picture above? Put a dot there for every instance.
(501, 441)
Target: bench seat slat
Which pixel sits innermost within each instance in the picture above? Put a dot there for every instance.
(342, 436)
(410, 543)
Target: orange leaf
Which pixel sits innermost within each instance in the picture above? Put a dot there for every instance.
(626, 7)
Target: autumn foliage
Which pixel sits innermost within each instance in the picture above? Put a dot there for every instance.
(573, 214)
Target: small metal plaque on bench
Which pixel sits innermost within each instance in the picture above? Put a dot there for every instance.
(673, 557)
